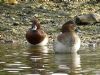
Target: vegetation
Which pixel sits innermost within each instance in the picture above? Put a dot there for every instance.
(15, 17)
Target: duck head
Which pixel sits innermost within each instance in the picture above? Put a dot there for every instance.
(69, 26)
(35, 24)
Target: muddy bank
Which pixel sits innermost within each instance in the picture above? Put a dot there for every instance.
(15, 20)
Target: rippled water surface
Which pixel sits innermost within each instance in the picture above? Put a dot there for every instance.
(31, 60)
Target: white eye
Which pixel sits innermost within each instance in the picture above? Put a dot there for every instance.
(34, 28)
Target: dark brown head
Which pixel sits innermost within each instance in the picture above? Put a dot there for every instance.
(35, 24)
(68, 26)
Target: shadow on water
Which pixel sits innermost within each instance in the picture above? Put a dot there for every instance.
(36, 60)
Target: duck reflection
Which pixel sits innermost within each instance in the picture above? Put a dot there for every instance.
(41, 60)
(68, 63)
(75, 66)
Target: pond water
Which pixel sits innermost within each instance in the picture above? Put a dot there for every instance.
(30, 60)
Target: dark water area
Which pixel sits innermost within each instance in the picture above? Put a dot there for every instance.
(31, 60)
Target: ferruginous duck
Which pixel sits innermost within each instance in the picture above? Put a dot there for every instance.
(35, 35)
(68, 41)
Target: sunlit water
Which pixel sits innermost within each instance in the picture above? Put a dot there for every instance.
(30, 60)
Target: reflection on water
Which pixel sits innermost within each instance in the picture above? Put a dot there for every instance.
(41, 60)
(33, 60)
(72, 65)
(20, 60)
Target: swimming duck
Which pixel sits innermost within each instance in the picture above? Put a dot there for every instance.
(35, 35)
(68, 40)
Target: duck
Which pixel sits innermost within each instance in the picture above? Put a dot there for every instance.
(86, 19)
(36, 35)
(68, 41)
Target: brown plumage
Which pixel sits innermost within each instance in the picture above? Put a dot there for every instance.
(68, 27)
(35, 35)
(68, 40)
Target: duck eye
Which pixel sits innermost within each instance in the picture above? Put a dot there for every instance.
(34, 27)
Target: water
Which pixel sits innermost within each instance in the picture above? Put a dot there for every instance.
(28, 60)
